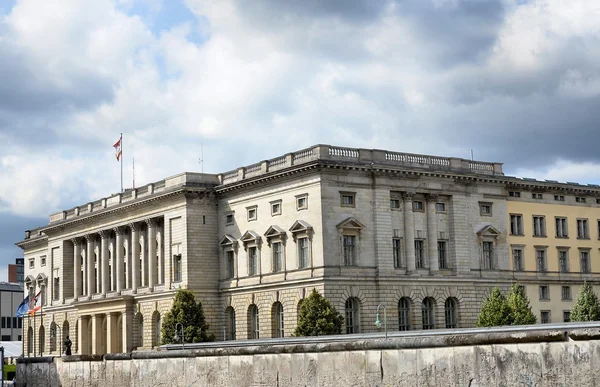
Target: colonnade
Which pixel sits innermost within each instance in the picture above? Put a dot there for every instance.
(125, 257)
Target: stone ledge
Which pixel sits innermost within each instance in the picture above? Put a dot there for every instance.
(584, 334)
(31, 360)
(74, 358)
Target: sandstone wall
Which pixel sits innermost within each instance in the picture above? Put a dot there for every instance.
(552, 358)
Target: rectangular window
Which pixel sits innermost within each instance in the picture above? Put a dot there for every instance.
(5, 337)
(31, 263)
(277, 261)
(229, 219)
(230, 257)
(442, 255)
(567, 316)
(14, 322)
(177, 267)
(276, 208)
(252, 213)
(580, 199)
(440, 207)
(541, 260)
(397, 250)
(419, 254)
(485, 209)
(545, 316)
(303, 252)
(20, 321)
(516, 225)
(518, 259)
(301, 202)
(537, 196)
(252, 261)
(559, 198)
(561, 228)
(585, 261)
(43, 260)
(395, 204)
(566, 293)
(563, 261)
(56, 289)
(418, 206)
(539, 226)
(8, 323)
(514, 194)
(583, 231)
(348, 199)
(349, 250)
(3, 322)
(544, 292)
(488, 255)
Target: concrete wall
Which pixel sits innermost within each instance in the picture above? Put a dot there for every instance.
(551, 358)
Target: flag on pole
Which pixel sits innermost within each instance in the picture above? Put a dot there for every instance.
(23, 307)
(36, 303)
(118, 150)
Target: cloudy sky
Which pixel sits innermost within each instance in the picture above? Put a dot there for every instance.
(517, 81)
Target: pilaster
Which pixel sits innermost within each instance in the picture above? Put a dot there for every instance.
(135, 255)
(432, 233)
(104, 260)
(90, 264)
(118, 254)
(76, 267)
(409, 231)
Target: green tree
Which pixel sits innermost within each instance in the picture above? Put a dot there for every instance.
(318, 317)
(494, 311)
(186, 311)
(587, 307)
(520, 310)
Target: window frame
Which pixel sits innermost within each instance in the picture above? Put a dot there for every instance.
(564, 227)
(483, 205)
(516, 225)
(352, 315)
(565, 293)
(252, 213)
(299, 198)
(397, 253)
(404, 314)
(583, 228)
(428, 313)
(351, 196)
(420, 254)
(443, 263)
(544, 291)
(587, 268)
(276, 207)
(541, 221)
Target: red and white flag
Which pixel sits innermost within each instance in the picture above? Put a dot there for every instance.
(36, 303)
(118, 150)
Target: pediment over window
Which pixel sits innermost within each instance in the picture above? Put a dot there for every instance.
(300, 226)
(250, 237)
(351, 224)
(275, 232)
(489, 231)
(41, 277)
(29, 279)
(228, 241)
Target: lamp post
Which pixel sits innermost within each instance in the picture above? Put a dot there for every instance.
(378, 321)
(179, 328)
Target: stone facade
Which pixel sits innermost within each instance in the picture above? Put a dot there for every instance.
(424, 236)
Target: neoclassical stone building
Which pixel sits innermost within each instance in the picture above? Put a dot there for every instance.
(424, 236)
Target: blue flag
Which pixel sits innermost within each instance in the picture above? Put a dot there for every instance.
(23, 307)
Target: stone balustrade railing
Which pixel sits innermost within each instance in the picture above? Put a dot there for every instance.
(361, 156)
(304, 156)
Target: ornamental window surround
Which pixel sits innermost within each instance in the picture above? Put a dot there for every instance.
(302, 234)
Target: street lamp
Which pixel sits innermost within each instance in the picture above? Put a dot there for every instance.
(179, 328)
(378, 321)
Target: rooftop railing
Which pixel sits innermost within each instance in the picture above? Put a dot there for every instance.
(362, 156)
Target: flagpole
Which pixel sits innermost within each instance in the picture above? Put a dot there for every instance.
(121, 162)
(34, 329)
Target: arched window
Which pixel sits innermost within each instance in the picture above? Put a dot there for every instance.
(254, 322)
(230, 314)
(29, 340)
(352, 316)
(450, 313)
(42, 340)
(404, 314)
(427, 310)
(53, 338)
(277, 319)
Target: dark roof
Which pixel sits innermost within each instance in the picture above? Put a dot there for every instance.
(11, 287)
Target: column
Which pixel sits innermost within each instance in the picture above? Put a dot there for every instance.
(111, 329)
(104, 261)
(409, 231)
(91, 281)
(118, 255)
(161, 257)
(432, 236)
(144, 259)
(127, 325)
(151, 236)
(96, 334)
(135, 255)
(76, 267)
(83, 335)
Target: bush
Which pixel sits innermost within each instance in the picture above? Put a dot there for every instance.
(587, 307)
(318, 317)
(520, 310)
(186, 311)
(494, 311)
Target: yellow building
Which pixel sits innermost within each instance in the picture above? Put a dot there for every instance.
(554, 238)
